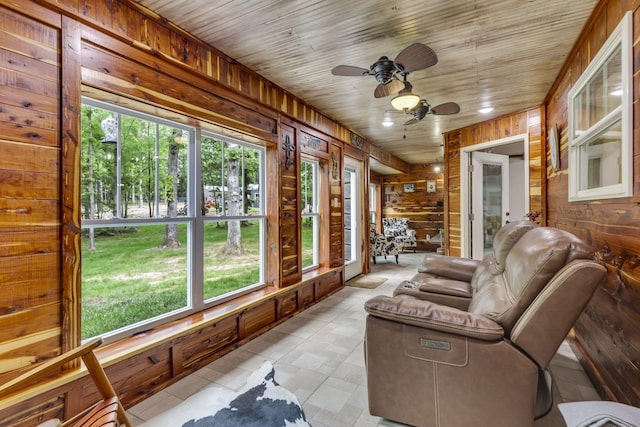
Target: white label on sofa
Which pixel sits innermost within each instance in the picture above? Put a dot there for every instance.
(438, 345)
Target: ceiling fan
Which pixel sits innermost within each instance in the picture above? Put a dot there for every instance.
(423, 108)
(391, 74)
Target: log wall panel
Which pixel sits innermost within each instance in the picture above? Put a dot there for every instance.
(329, 284)
(116, 46)
(336, 216)
(132, 23)
(70, 183)
(257, 318)
(289, 158)
(140, 376)
(287, 304)
(306, 296)
(29, 413)
(606, 334)
(201, 344)
(110, 71)
(420, 207)
(30, 310)
(146, 31)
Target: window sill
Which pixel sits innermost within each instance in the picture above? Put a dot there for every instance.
(127, 347)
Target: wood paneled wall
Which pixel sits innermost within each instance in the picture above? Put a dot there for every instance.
(30, 202)
(289, 155)
(425, 210)
(607, 333)
(55, 51)
(523, 122)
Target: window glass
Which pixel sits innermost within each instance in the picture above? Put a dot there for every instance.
(127, 277)
(600, 122)
(164, 233)
(310, 215)
(373, 189)
(233, 216)
(601, 154)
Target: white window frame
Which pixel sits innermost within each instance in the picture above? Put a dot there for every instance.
(620, 38)
(260, 217)
(373, 190)
(313, 213)
(193, 219)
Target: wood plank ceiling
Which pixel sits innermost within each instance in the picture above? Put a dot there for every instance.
(501, 54)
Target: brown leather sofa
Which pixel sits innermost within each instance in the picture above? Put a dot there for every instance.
(467, 343)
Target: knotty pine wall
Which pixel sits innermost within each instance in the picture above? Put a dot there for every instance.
(54, 51)
(31, 288)
(425, 210)
(607, 334)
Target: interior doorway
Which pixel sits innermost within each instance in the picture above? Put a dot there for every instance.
(352, 217)
(494, 192)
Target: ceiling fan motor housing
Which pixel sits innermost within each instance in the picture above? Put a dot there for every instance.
(384, 69)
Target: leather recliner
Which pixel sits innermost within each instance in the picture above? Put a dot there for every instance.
(468, 342)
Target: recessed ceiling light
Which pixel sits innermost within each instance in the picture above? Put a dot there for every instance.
(485, 110)
(387, 123)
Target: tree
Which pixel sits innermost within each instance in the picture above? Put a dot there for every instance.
(229, 171)
(234, 237)
(92, 196)
(171, 230)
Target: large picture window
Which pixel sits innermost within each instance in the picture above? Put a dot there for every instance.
(600, 122)
(172, 220)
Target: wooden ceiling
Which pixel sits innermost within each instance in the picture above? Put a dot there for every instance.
(504, 54)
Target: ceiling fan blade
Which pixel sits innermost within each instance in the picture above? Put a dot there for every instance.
(446, 108)
(416, 57)
(411, 121)
(348, 70)
(394, 86)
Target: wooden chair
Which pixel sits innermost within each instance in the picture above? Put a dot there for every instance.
(106, 413)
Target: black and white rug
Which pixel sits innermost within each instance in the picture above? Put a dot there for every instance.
(262, 402)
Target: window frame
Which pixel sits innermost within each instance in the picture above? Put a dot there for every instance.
(314, 213)
(194, 220)
(619, 39)
(261, 218)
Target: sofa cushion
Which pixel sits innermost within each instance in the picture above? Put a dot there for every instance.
(537, 256)
(508, 236)
(504, 240)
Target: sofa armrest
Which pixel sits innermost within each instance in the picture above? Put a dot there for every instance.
(442, 286)
(425, 314)
(449, 266)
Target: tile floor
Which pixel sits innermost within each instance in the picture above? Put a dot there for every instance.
(318, 355)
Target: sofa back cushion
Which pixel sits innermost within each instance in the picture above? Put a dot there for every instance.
(529, 265)
(494, 262)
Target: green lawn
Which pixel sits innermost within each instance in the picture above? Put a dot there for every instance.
(129, 278)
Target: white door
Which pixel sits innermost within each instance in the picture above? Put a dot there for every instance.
(352, 218)
(489, 199)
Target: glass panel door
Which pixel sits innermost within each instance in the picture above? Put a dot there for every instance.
(352, 218)
(489, 199)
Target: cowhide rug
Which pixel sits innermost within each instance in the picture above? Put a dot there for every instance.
(262, 402)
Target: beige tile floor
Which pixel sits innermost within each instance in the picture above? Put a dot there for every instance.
(318, 355)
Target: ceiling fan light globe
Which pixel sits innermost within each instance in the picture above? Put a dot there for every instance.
(405, 101)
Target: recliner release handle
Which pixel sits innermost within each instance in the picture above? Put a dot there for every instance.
(435, 344)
